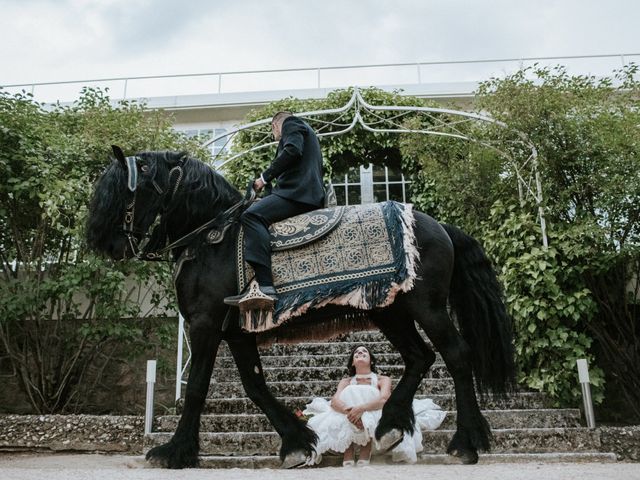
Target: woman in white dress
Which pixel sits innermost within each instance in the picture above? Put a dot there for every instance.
(352, 415)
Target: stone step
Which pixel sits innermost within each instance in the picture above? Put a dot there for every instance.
(367, 336)
(335, 374)
(304, 361)
(316, 348)
(524, 400)
(498, 419)
(273, 461)
(317, 388)
(529, 440)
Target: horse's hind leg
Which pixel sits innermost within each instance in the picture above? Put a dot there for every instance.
(472, 433)
(397, 413)
(298, 440)
(182, 450)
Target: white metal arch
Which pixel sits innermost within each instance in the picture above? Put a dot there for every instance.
(526, 169)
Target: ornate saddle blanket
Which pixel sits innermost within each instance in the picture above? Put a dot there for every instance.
(363, 261)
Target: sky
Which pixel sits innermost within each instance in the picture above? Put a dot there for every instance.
(59, 40)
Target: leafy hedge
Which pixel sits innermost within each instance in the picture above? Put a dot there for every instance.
(62, 309)
(579, 298)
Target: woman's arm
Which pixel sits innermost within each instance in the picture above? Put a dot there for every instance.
(337, 404)
(384, 385)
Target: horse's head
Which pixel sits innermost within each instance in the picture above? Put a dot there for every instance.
(127, 199)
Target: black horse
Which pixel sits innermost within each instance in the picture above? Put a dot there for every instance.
(186, 194)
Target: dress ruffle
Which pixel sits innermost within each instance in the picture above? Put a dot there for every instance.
(335, 432)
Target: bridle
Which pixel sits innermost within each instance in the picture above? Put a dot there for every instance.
(141, 249)
(144, 249)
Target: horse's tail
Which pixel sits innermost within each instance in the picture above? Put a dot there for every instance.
(476, 299)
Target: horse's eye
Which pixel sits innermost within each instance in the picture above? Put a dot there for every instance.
(144, 168)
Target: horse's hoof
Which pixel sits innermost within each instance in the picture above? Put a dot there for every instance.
(156, 458)
(466, 457)
(172, 455)
(137, 462)
(294, 460)
(157, 462)
(390, 440)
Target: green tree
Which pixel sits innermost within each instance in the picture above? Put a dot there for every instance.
(62, 309)
(586, 132)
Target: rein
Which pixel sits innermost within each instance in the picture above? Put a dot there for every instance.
(185, 240)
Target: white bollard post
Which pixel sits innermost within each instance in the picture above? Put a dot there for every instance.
(151, 381)
(179, 356)
(583, 375)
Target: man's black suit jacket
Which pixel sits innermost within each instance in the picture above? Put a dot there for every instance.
(297, 167)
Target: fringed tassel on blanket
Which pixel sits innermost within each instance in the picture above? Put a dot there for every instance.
(257, 320)
(317, 330)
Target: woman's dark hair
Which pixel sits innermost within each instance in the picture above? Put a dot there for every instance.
(351, 369)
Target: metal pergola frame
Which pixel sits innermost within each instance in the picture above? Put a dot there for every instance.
(526, 169)
(359, 106)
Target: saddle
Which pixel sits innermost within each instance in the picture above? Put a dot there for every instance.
(303, 229)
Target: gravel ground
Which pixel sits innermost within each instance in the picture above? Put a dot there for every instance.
(118, 467)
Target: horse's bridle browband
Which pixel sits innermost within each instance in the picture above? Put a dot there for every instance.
(140, 249)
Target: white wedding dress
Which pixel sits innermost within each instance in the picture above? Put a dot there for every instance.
(335, 432)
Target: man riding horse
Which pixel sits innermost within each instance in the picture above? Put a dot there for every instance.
(297, 169)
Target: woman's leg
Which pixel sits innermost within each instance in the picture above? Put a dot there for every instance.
(365, 455)
(349, 454)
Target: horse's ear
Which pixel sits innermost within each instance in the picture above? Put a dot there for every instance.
(119, 154)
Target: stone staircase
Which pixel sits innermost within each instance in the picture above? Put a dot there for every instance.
(234, 433)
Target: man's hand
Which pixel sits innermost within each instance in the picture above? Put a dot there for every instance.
(258, 184)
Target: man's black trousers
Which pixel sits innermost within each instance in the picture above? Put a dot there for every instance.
(255, 221)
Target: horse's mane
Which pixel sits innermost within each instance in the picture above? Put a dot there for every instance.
(202, 192)
(107, 205)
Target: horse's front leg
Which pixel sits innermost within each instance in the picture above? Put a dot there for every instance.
(298, 440)
(182, 450)
(397, 413)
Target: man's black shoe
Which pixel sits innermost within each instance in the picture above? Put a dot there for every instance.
(254, 297)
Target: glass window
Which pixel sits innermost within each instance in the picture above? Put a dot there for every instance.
(370, 184)
(394, 175)
(340, 195)
(220, 144)
(395, 192)
(354, 195)
(379, 174)
(379, 192)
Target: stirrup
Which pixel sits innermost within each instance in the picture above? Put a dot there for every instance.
(253, 298)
